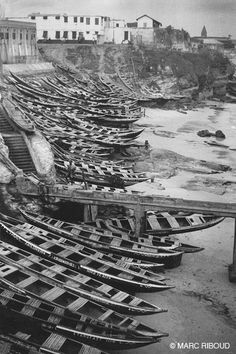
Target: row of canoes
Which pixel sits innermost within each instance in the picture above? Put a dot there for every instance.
(64, 292)
(65, 281)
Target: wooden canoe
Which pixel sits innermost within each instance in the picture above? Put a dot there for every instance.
(31, 312)
(115, 259)
(95, 239)
(16, 279)
(78, 284)
(67, 253)
(125, 225)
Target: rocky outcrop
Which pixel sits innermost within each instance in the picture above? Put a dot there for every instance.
(163, 69)
(42, 156)
(8, 170)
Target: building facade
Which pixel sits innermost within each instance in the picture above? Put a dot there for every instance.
(17, 41)
(146, 21)
(67, 27)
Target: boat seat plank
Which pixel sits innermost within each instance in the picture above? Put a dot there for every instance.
(77, 304)
(105, 315)
(28, 310)
(54, 342)
(194, 220)
(105, 288)
(24, 283)
(120, 296)
(154, 224)
(173, 222)
(22, 336)
(136, 301)
(53, 294)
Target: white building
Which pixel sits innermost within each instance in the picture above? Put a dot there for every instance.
(67, 27)
(146, 21)
(17, 42)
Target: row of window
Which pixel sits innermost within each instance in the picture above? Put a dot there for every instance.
(81, 19)
(7, 35)
(65, 34)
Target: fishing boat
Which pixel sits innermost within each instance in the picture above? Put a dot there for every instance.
(32, 312)
(94, 239)
(13, 278)
(126, 226)
(168, 223)
(37, 340)
(69, 253)
(115, 259)
(20, 119)
(102, 175)
(9, 344)
(89, 127)
(77, 283)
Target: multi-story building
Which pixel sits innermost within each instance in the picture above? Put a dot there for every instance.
(17, 41)
(67, 27)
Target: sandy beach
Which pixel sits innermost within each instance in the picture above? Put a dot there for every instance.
(202, 306)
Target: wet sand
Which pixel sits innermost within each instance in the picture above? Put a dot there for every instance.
(202, 307)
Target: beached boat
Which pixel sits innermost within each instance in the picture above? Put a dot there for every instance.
(69, 253)
(19, 118)
(32, 312)
(117, 260)
(89, 127)
(102, 175)
(78, 284)
(167, 223)
(31, 340)
(126, 226)
(13, 278)
(161, 223)
(93, 239)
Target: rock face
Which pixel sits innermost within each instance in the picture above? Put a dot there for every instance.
(169, 71)
(43, 156)
(5, 174)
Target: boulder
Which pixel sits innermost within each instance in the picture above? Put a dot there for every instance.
(204, 133)
(220, 134)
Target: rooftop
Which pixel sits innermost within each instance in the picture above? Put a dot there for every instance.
(17, 24)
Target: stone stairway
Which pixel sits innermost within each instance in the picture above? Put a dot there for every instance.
(18, 150)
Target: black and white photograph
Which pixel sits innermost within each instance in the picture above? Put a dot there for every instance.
(117, 176)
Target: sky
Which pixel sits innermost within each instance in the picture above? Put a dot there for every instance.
(219, 16)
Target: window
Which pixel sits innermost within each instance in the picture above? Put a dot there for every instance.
(26, 36)
(96, 32)
(65, 34)
(145, 24)
(21, 35)
(45, 34)
(81, 19)
(7, 35)
(75, 19)
(87, 32)
(1, 35)
(57, 17)
(33, 36)
(65, 19)
(96, 21)
(45, 17)
(73, 34)
(32, 17)
(87, 20)
(57, 35)
(117, 25)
